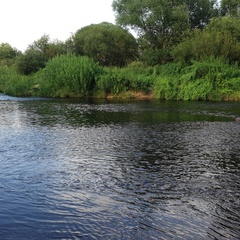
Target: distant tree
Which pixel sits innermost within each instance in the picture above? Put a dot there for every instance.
(48, 48)
(8, 54)
(6, 51)
(31, 61)
(69, 44)
(108, 44)
(38, 53)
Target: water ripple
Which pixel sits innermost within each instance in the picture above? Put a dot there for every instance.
(71, 170)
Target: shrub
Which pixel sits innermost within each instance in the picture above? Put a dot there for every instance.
(208, 79)
(221, 38)
(69, 75)
(13, 83)
(132, 78)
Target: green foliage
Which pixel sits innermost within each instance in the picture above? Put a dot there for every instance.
(221, 38)
(230, 7)
(135, 77)
(13, 83)
(48, 48)
(209, 79)
(31, 61)
(166, 88)
(106, 43)
(19, 85)
(38, 53)
(167, 83)
(5, 74)
(8, 54)
(201, 12)
(69, 75)
(161, 24)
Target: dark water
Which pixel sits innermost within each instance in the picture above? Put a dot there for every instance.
(72, 169)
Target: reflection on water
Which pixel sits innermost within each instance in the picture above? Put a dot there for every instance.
(73, 169)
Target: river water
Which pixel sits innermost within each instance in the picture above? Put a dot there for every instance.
(87, 169)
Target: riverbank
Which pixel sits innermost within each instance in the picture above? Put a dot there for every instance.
(212, 79)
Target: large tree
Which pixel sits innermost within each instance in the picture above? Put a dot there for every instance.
(161, 24)
(108, 44)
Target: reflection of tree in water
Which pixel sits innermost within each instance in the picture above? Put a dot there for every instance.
(63, 112)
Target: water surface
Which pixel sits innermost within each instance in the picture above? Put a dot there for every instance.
(87, 169)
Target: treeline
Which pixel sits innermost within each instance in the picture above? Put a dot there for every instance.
(185, 49)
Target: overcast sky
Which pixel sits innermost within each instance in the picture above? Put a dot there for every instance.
(24, 21)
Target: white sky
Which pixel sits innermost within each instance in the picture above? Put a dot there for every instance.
(24, 21)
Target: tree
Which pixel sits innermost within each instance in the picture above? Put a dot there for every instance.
(201, 12)
(108, 44)
(161, 24)
(6, 51)
(230, 7)
(8, 54)
(38, 53)
(31, 61)
(221, 38)
(48, 48)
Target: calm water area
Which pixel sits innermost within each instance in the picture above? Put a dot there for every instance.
(98, 169)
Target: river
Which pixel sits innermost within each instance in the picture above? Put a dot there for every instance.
(98, 169)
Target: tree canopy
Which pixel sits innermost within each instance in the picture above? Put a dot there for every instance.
(160, 24)
(230, 7)
(106, 43)
(38, 53)
(8, 54)
(221, 38)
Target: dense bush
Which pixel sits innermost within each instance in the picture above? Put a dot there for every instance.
(13, 83)
(221, 38)
(209, 79)
(108, 44)
(135, 77)
(69, 75)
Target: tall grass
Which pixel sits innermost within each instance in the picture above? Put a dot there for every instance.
(135, 77)
(208, 79)
(69, 75)
(13, 83)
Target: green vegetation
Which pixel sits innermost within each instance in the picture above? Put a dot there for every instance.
(185, 50)
(106, 43)
(69, 76)
(209, 79)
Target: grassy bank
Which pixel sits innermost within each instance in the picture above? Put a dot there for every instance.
(71, 76)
